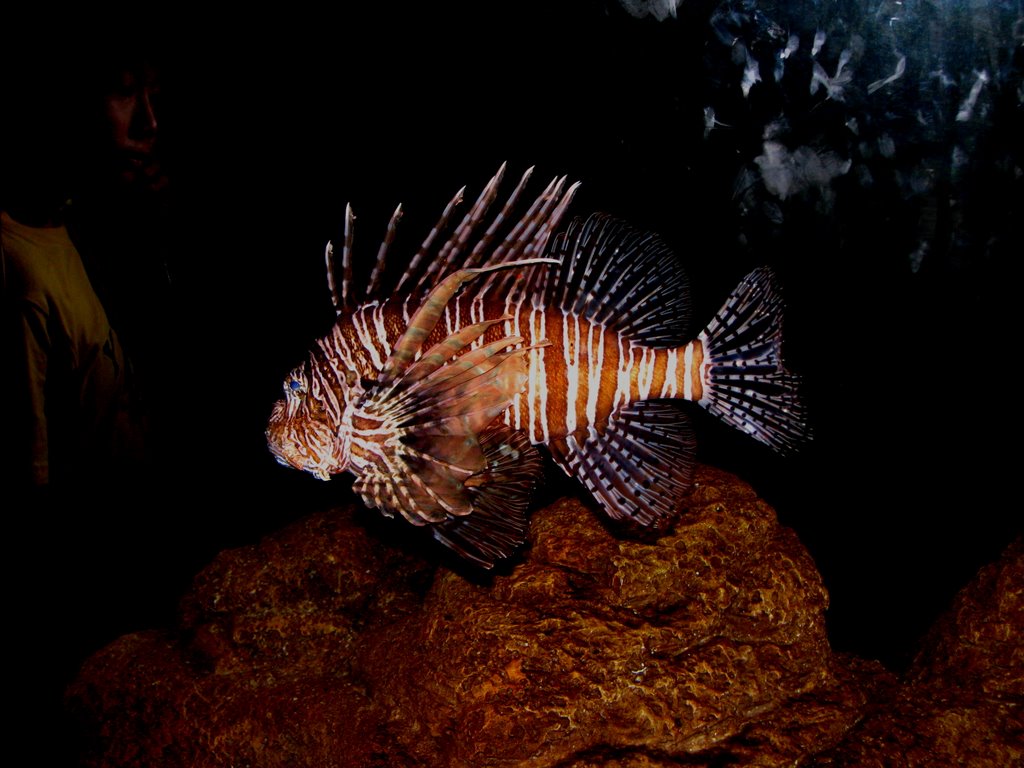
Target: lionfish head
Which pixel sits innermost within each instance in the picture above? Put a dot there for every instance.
(301, 432)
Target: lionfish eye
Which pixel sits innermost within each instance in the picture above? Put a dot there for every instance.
(294, 385)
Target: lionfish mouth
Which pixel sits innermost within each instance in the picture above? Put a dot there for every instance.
(315, 469)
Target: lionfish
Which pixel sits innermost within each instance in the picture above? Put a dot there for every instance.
(504, 336)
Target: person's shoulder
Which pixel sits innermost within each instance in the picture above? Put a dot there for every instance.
(32, 256)
(19, 235)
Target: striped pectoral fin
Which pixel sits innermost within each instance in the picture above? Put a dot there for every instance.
(640, 467)
(500, 495)
(438, 355)
(421, 488)
(421, 437)
(463, 400)
(423, 322)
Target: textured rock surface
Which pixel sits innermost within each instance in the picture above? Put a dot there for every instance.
(962, 701)
(322, 646)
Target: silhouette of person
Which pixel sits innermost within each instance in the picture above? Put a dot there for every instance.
(82, 274)
(85, 294)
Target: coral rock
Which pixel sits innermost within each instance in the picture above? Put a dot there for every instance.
(962, 701)
(323, 646)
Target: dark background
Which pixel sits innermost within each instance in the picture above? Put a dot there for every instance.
(273, 123)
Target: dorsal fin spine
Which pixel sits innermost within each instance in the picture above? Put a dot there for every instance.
(474, 216)
(346, 261)
(332, 285)
(382, 252)
(428, 243)
(517, 244)
(500, 218)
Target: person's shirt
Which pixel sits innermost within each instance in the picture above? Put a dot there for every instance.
(73, 417)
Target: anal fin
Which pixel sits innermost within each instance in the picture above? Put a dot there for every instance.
(640, 467)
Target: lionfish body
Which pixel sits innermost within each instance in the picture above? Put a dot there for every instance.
(435, 394)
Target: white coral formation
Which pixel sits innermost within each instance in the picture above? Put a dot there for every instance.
(659, 9)
(788, 173)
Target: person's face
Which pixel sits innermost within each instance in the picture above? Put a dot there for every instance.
(132, 111)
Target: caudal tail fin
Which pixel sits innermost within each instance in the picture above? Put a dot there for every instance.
(745, 382)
